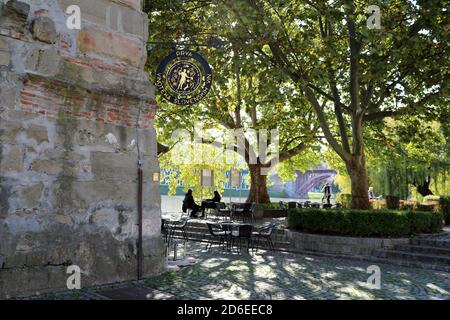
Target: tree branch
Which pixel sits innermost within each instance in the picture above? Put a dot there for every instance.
(288, 154)
(324, 125)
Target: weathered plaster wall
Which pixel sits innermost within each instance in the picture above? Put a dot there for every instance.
(69, 102)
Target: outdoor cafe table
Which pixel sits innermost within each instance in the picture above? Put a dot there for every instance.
(229, 226)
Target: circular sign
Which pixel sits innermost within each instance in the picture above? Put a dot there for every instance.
(184, 77)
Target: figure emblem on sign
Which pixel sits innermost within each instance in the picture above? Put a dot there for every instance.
(184, 78)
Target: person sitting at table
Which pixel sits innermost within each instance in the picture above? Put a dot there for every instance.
(210, 203)
(189, 203)
(372, 195)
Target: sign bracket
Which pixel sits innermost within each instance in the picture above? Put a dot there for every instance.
(213, 42)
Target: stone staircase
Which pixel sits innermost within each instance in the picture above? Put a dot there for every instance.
(430, 252)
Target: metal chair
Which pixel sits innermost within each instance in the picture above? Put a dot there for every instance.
(292, 205)
(242, 232)
(164, 229)
(221, 210)
(178, 226)
(216, 232)
(245, 212)
(266, 234)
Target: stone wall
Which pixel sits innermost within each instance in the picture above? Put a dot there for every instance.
(74, 107)
(352, 246)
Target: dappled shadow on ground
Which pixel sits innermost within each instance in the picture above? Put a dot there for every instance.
(267, 275)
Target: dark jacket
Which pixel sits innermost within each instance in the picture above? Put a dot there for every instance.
(216, 198)
(188, 202)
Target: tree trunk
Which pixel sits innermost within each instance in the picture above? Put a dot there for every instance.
(356, 168)
(258, 185)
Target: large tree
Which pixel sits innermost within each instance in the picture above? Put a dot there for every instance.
(350, 74)
(248, 95)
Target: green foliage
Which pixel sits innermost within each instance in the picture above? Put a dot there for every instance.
(187, 159)
(412, 149)
(315, 196)
(378, 204)
(425, 222)
(431, 198)
(392, 202)
(345, 199)
(367, 223)
(444, 203)
(247, 93)
(287, 170)
(426, 208)
(407, 207)
(273, 205)
(345, 69)
(297, 45)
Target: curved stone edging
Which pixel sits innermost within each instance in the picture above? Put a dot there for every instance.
(341, 245)
(270, 213)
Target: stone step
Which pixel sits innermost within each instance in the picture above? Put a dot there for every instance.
(441, 251)
(199, 226)
(417, 257)
(430, 243)
(200, 236)
(407, 263)
(205, 233)
(277, 234)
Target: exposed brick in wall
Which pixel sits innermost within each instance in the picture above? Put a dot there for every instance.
(118, 46)
(94, 63)
(52, 99)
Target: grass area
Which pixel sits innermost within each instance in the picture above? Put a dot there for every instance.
(317, 196)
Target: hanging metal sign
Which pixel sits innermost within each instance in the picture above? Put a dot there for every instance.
(184, 78)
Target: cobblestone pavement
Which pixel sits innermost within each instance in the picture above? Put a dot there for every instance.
(279, 275)
(265, 275)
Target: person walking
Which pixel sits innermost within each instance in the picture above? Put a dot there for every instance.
(326, 193)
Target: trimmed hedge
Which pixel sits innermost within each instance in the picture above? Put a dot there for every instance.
(364, 223)
(393, 202)
(426, 208)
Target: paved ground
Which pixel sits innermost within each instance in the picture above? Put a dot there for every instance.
(263, 275)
